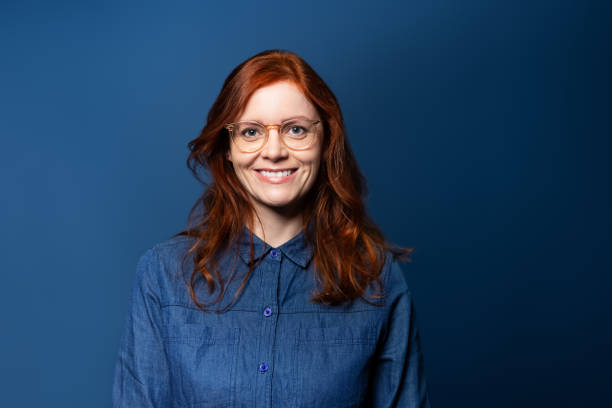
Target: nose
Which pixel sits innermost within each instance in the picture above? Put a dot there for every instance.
(274, 148)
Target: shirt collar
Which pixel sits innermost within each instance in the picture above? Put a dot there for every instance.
(296, 249)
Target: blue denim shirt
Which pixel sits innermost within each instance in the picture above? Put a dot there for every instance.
(273, 347)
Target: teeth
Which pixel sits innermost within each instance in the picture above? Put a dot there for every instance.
(276, 174)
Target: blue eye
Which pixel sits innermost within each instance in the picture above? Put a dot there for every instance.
(297, 130)
(249, 132)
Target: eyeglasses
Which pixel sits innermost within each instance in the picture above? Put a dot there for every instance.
(251, 136)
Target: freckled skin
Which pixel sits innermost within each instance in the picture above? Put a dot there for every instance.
(270, 105)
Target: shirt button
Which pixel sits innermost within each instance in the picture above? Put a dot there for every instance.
(263, 367)
(267, 312)
(274, 253)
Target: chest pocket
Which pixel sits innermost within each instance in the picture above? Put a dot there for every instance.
(333, 365)
(202, 361)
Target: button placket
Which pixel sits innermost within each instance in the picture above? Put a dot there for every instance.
(270, 268)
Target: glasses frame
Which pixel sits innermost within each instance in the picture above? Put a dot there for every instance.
(230, 129)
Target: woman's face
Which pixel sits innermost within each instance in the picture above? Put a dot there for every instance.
(272, 105)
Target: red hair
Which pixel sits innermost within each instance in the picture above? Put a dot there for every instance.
(349, 249)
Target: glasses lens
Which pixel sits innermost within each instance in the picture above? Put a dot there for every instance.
(298, 134)
(249, 136)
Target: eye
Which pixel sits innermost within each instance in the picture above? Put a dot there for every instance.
(249, 132)
(296, 130)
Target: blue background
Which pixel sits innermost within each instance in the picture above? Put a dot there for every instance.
(482, 126)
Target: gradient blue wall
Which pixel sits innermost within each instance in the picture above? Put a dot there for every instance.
(483, 128)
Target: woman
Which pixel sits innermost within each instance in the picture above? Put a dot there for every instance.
(282, 292)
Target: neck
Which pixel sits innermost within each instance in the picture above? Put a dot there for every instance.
(275, 226)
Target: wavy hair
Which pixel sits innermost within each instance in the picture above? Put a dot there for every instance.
(349, 249)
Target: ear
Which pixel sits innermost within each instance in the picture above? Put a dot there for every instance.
(228, 155)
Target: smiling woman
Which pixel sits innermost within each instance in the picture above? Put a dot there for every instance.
(276, 175)
(282, 291)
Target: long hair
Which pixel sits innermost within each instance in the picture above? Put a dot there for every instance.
(349, 249)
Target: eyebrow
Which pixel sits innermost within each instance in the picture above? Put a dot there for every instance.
(283, 121)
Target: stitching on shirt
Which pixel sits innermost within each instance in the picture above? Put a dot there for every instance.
(284, 312)
(328, 311)
(195, 308)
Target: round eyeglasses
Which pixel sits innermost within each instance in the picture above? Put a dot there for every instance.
(251, 136)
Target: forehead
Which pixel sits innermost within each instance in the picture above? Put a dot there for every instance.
(277, 102)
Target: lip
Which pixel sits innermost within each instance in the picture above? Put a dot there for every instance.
(279, 169)
(281, 180)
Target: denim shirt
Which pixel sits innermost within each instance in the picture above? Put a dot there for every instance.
(272, 347)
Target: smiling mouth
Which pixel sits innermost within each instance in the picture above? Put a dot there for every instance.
(276, 174)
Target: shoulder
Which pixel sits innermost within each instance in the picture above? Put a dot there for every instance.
(164, 258)
(393, 276)
(392, 280)
(172, 249)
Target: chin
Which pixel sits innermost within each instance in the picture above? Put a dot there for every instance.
(278, 204)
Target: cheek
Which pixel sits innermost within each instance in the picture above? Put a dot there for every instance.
(240, 161)
(236, 167)
(315, 161)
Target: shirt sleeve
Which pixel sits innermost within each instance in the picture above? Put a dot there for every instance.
(141, 371)
(398, 377)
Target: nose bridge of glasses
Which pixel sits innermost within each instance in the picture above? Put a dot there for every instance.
(277, 127)
(274, 146)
